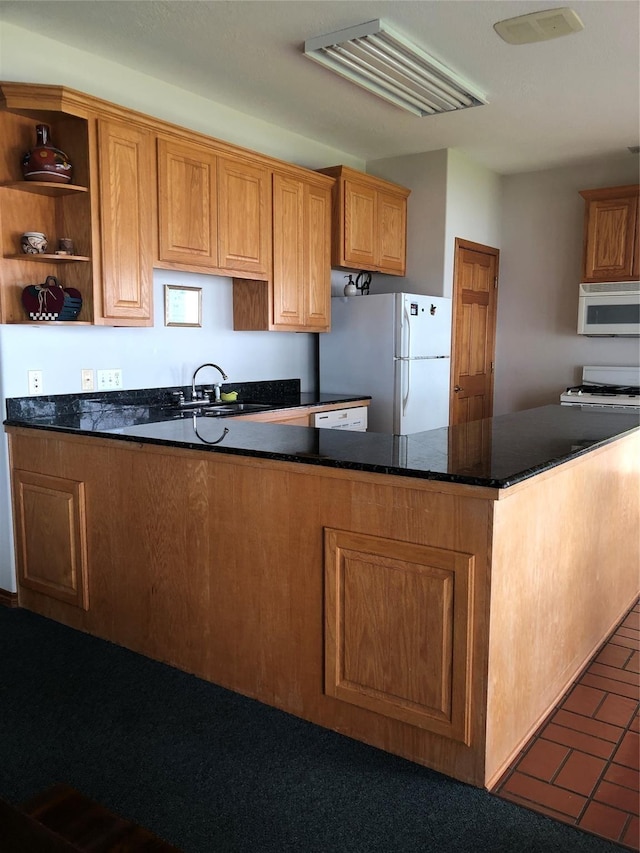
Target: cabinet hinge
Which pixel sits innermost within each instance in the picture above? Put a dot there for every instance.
(495, 281)
(493, 366)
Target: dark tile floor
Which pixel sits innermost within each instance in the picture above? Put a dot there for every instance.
(582, 765)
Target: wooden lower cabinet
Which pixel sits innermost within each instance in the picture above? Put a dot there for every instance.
(436, 621)
(50, 526)
(397, 628)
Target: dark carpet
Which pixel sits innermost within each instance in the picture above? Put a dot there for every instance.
(213, 772)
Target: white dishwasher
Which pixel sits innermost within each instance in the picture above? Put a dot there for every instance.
(354, 419)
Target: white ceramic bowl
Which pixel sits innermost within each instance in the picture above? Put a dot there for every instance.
(34, 243)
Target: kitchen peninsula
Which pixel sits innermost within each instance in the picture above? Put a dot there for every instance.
(430, 594)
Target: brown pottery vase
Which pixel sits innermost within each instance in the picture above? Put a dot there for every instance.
(45, 162)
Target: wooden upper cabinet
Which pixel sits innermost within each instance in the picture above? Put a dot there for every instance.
(318, 258)
(369, 222)
(126, 158)
(392, 231)
(301, 254)
(106, 210)
(611, 234)
(360, 226)
(244, 216)
(297, 296)
(187, 204)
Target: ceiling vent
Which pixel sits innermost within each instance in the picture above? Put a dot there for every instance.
(378, 59)
(539, 26)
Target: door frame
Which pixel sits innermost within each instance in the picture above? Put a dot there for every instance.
(461, 244)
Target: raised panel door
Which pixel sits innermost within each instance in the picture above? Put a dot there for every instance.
(611, 239)
(288, 251)
(244, 217)
(360, 225)
(318, 258)
(126, 157)
(398, 623)
(51, 539)
(473, 346)
(392, 233)
(187, 204)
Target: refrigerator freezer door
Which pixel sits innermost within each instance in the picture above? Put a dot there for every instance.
(423, 326)
(422, 395)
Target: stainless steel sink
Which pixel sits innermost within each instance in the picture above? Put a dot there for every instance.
(215, 409)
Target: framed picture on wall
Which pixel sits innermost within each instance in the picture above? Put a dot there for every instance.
(182, 305)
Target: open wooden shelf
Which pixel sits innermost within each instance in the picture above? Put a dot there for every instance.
(40, 257)
(44, 187)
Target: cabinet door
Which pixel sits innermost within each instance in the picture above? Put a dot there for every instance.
(244, 217)
(360, 225)
(126, 156)
(392, 233)
(611, 239)
(398, 627)
(318, 258)
(51, 536)
(187, 204)
(288, 251)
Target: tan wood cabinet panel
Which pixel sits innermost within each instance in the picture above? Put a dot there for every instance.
(360, 226)
(392, 231)
(288, 251)
(187, 204)
(244, 216)
(297, 296)
(51, 541)
(369, 229)
(318, 258)
(611, 250)
(301, 257)
(126, 159)
(398, 623)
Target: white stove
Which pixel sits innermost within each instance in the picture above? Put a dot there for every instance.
(608, 387)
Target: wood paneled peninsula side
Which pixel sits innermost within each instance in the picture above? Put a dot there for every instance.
(432, 594)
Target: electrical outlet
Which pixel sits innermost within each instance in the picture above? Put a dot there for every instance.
(110, 380)
(34, 378)
(87, 380)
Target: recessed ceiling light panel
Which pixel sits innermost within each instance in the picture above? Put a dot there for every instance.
(384, 62)
(539, 26)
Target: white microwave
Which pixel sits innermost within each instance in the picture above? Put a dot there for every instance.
(609, 308)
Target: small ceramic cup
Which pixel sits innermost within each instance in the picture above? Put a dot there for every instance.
(33, 243)
(65, 244)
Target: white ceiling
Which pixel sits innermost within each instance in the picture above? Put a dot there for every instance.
(550, 104)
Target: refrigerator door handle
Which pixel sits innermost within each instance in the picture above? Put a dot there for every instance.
(406, 381)
(408, 334)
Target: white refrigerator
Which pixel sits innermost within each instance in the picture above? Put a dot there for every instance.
(395, 347)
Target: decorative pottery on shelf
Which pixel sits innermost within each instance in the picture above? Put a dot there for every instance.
(45, 162)
(33, 243)
(51, 301)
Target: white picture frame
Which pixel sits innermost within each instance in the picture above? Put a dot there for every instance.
(182, 305)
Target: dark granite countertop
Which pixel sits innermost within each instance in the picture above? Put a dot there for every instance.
(497, 452)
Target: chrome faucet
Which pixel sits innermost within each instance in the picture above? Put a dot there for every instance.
(194, 393)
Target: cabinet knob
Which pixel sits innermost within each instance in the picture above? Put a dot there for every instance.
(457, 388)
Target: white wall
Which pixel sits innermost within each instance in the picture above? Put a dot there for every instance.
(473, 208)
(451, 196)
(539, 352)
(426, 176)
(157, 356)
